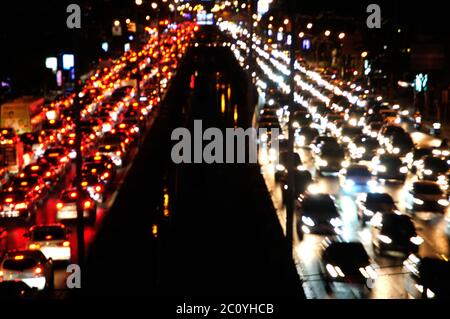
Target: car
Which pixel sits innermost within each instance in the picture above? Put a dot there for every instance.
(388, 131)
(318, 214)
(66, 206)
(413, 158)
(305, 135)
(394, 233)
(346, 262)
(369, 204)
(347, 133)
(399, 144)
(44, 170)
(103, 169)
(93, 185)
(426, 196)
(302, 180)
(17, 204)
(330, 160)
(114, 152)
(29, 266)
(356, 178)
(432, 168)
(428, 277)
(372, 129)
(34, 186)
(281, 167)
(388, 167)
(58, 157)
(51, 240)
(363, 148)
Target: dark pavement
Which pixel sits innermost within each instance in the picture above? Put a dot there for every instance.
(223, 239)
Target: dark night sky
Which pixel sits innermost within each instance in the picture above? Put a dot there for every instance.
(32, 30)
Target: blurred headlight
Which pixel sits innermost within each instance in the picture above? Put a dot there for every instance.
(280, 167)
(336, 222)
(428, 172)
(396, 150)
(443, 202)
(404, 170)
(416, 240)
(418, 201)
(308, 221)
(385, 239)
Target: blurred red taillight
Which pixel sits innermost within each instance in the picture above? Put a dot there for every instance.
(87, 204)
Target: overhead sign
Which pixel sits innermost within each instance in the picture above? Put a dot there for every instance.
(51, 63)
(68, 61)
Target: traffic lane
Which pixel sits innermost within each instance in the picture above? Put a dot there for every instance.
(46, 214)
(391, 283)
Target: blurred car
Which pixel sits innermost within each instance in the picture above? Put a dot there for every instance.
(29, 266)
(356, 178)
(330, 160)
(370, 203)
(388, 131)
(346, 262)
(305, 136)
(389, 167)
(17, 204)
(44, 170)
(322, 140)
(432, 168)
(282, 166)
(394, 233)
(114, 152)
(363, 148)
(66, 206)
(100, 166)
(428, 277)
(399, 144)
(414, 157)
(347, 133)
(426, 196)
(34, 186)
(58, 157)
(302, 180)
(94, 186)
(318, 215)
(51, 240)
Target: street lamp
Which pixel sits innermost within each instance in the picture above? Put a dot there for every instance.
(138, 2)
(341, 35)
(116, 23)
(327, 33)
(301, 35)
(127, 21)
(154, 5)
(309, 25)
